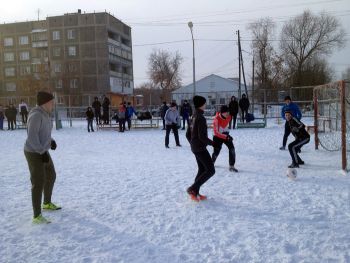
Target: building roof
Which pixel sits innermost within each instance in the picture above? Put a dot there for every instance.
(212, 83)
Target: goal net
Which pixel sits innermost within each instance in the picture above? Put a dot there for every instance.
(332, 118)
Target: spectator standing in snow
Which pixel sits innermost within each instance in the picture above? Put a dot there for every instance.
(97, 108)
(294, 109)
(244, 105)
(171, 120)
(186, 113)
(36, 151)
(222, 136)
(129, 112)
(2, 116)
(233, 107)
(163, 110)
(11, 113)
(23, 110)
(105, 107)
(121, 117)
(197, 135)
(90, 119)
(302, 137)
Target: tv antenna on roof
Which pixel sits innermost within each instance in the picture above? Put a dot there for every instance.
(38, 11)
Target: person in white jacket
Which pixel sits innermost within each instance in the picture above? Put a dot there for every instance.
(171, 119)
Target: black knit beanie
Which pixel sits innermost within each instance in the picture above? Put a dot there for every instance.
(223, 109)
(43, 97)
(198, 101)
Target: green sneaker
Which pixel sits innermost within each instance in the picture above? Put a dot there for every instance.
(40, 220)
(51, 206)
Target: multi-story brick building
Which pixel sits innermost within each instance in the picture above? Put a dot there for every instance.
(78, 56)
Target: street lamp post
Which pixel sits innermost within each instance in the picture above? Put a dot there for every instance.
(190, 25)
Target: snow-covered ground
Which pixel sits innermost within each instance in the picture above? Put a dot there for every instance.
(124, 200)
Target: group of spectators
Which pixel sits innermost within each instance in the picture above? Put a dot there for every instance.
(10, 113)
(124, 114)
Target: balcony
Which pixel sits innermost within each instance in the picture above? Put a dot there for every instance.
(125, 47)
(114, 42)
(39, 44)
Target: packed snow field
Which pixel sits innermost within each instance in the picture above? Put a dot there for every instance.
(124, 200)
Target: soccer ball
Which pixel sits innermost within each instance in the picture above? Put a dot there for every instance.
(292, 173)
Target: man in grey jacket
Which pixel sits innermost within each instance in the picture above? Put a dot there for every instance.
(171, 119)
(36, 151)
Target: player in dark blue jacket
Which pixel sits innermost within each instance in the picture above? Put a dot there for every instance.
(302, 137)
(294, 109)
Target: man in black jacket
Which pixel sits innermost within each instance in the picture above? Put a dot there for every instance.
(105, 107)
(302, 137)
(96, 105)
(197, 135)
(163, 110)
(244, 105)
(11, 113)
(233, 108)
(186, 113)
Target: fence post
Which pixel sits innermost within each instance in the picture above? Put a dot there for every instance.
(315, 118)
(343, 124)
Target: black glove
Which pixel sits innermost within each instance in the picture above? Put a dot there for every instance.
(45, 157)
(53, 145)
(229, 138)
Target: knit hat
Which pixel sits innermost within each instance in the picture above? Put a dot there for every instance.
(173, 104)
(198, 101)
(287, 98)
(43, 97)
(223, 109)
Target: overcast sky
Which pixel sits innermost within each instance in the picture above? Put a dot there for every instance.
(155, 23)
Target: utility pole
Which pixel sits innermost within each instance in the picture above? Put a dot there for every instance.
(253, 77)
(239, 66)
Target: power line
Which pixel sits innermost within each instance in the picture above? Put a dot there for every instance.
(222, 13)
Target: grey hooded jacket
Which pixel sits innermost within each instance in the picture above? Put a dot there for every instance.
(171, 116)
(39, 128)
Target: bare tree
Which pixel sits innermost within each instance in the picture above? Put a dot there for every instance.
(262, 31)
(164, 70)
(306, 37)
(346, 74)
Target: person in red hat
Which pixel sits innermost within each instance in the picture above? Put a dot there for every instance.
(36, 151)
(222, 136)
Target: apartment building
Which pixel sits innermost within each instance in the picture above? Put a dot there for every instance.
(77, 55)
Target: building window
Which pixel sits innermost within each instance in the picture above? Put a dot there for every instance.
(56, 35)
(73, 84)
(56, 51)
(9, 72)
(10, 86)
(222, 101)
(24, 55)
(72, 51)
(57, 68)
(58, 84)
(9, 56)
(8, 41)
(23, 40)
(72, 68)
(71, 34)
(24, 70)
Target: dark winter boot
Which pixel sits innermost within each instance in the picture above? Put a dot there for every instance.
(293, 165)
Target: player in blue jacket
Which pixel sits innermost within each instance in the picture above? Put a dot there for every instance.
(129, 112)
(295, 111)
